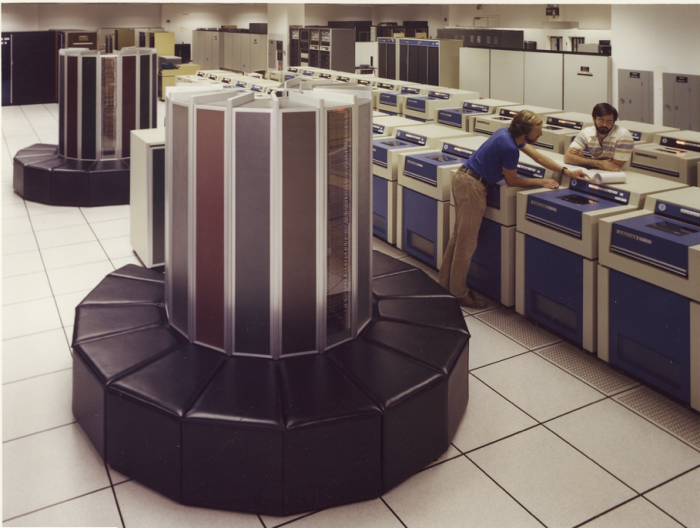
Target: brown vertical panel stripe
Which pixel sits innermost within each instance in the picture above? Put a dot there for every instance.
(128, 102)
(210, 228)
(72, 108)
(299, 232)
(252, 226)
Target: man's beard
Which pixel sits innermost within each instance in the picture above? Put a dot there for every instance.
(530, 141)
(603, 130)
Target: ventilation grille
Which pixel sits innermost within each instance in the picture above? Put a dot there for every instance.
(667, 414)
(588, 368)
(387, 249)
(518, 328)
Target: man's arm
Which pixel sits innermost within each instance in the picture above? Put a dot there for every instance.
(512, 179)
(574, 156)
(550, 164)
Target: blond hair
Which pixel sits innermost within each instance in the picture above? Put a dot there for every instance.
(524, 122)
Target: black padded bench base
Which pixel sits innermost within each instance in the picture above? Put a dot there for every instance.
(41, 174)
(271, 437)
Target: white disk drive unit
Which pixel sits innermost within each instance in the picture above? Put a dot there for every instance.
(393, 101)
(673, 156)
(649, 293)
(560, 129)
(385, 125)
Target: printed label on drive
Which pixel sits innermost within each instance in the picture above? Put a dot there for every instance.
(544, 206)
(633, 236)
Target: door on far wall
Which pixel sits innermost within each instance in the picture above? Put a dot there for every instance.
(635, 95)
(555, 43)
(682, 101)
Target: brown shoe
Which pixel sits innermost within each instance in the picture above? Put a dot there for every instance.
(472, 302)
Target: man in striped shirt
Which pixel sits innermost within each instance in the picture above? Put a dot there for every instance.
(605, 146)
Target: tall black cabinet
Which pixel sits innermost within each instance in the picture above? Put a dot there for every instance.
(28, 67)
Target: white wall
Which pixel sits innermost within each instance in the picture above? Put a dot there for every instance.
(655, 38)
(184, 18)
(94, 16)
(20, 17)
(590, 16)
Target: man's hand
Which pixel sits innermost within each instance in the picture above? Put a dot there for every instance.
(549, 184)
(577, 174)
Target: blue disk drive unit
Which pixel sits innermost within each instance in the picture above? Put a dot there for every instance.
(463, 116)
(425, 107)
(557, 250)
(385, 160)
(649, 293)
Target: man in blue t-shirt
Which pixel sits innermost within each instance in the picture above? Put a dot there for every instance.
(495, 160)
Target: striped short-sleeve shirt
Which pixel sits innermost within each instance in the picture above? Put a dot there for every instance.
(617, 145)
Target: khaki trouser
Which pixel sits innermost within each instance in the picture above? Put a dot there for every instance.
(470, 205)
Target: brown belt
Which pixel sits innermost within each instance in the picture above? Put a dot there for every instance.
(478, 177)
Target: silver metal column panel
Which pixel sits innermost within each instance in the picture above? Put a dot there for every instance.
(178, 270)
(364, 214)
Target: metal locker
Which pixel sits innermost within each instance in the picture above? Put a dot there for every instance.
(635, 95)
(682, 101)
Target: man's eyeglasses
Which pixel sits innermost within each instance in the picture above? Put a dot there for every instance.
(606, 122)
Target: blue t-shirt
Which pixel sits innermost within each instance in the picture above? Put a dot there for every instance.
(497, 152)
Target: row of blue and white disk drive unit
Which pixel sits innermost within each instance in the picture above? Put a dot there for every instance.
(463, 116)
(649, 292)
(385, 159)
(425, 107)
(557, 248)
(488, 124)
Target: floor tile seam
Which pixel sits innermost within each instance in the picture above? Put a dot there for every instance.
(609, 510)
(10, 304)
(635, 411)
(114, 493)
(55, 428)
(35, 333)
(500, 361)
(381, 498)
(505, 491)
(287, 523)
(637, 493)
(493, 442)
(644, 497)
(106, 259)
(671, 479)
(589, 404)
(54, 505)
(512, 403)
(5, 384)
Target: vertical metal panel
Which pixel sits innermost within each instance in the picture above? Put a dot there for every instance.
(364, 214)
(252, 232)
(158, 213)
(153, 65)
(89, 108)
(299, 232)
(340, 269)
(72, 108)
(209, 307)
(61, 106)
(178, 269)
(144, 91)
(128, 112)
